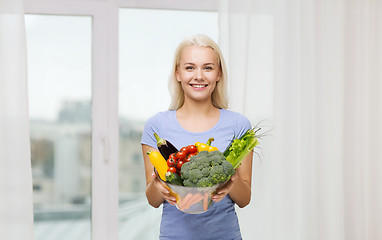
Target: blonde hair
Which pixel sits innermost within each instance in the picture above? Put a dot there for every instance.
(219, 95)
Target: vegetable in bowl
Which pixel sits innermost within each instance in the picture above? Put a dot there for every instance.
(241, 147)
(206, 169)
(193, 173)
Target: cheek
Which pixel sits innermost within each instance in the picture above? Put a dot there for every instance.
(185, 77)
(214, 77)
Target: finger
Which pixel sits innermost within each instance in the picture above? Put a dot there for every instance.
(234, 177)
(165, 191)
(160, 186)
(171, 200)
(222, 192)
(217, 197)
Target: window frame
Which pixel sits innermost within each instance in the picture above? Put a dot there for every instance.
(105, 132)
(195, 5)
(104, 210)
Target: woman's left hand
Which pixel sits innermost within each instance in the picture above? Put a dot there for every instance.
(224, 190)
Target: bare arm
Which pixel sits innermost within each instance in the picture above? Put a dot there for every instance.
(239, 187)
(156, 192)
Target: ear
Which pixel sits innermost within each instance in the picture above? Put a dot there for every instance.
(218, 78)
(177, 76)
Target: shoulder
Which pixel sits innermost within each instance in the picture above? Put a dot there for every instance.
(238, 118)
(160, 123)
(156, 124)
(159, 118)
(240, 122)
(161, 115)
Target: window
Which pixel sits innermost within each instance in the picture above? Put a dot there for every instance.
(59, 68)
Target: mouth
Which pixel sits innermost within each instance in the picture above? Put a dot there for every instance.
(199, 86)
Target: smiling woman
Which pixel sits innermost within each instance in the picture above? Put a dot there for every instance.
(197, 76)
(196, 66)
(198, 72)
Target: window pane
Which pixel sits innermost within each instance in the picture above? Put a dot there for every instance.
(148, 39)
(59, 74)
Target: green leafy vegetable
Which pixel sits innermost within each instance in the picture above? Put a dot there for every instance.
(241, 147)
(174, 178)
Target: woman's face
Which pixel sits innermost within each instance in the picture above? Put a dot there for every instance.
(198, 72)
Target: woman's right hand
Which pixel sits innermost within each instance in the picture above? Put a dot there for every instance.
(161, 187)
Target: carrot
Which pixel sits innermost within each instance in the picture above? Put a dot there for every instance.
(194, 199)
(205, 202)
(184, 201)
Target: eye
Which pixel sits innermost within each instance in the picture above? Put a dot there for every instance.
(208, 68)
(189, 68)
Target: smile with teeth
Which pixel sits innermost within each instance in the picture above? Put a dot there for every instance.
(199, 85)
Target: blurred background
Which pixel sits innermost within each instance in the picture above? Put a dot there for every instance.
(91, 72)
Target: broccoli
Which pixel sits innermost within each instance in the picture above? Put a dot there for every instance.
(173, 178)
(206, 169)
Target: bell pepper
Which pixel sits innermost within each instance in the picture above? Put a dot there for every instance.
(206, 146)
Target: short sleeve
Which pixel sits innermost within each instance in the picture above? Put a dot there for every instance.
(148, 132)
(242, 125)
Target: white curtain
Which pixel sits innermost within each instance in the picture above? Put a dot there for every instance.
(319, 176)
(16, 203)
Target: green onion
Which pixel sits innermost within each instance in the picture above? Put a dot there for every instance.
(241, 147)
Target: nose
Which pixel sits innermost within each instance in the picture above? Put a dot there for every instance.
(198, 75)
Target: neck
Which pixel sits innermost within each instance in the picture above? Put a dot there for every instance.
(197, 108)
(197, 117)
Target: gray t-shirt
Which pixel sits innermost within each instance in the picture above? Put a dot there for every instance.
(220, 221)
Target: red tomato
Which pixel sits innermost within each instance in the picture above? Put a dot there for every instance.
(179, 164)
(189, 157)
(180, 155)
(184, 149)
(171, 169)
(192, 149)
(173, 155)
(171, 162)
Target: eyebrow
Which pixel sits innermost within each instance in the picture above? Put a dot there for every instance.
(194, 63)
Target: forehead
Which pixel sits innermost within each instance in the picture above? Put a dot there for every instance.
(196, 54)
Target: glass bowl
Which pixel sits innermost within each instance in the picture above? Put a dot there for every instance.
(193, 200)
